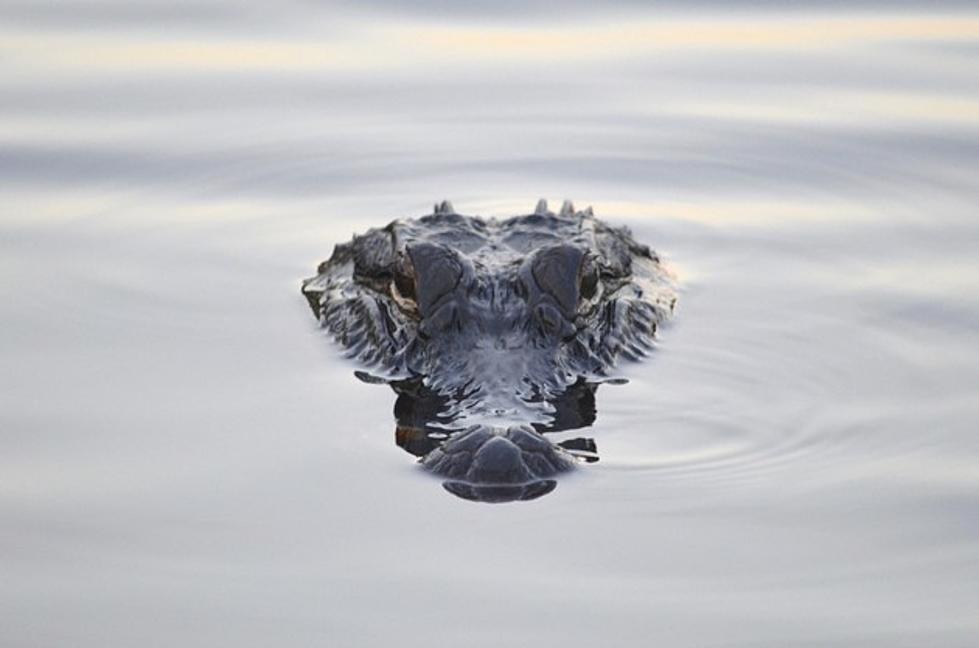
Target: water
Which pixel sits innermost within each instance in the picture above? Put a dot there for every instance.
(187, 460)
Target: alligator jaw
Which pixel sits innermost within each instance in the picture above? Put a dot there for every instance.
(495, 494)
(494, 464)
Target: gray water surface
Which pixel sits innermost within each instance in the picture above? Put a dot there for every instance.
(188, 461)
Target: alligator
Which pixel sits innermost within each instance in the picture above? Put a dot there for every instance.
(493, 333)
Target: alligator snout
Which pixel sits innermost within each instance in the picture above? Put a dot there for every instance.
(496, 464)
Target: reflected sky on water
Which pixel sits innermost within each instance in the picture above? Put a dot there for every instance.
(187, 460)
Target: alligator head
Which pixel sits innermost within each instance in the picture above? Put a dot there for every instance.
(492, 332)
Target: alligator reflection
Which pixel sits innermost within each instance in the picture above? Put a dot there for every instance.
(424, 430)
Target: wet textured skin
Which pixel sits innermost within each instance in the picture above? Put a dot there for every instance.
(492, 331)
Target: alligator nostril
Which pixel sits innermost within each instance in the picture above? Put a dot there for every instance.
(499, 460)
(493, 456)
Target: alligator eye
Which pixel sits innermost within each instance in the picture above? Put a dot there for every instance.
(403, 285)
(587, 278)
(557, 270)
(436, 272)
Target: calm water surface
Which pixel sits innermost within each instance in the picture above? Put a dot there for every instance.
(187, 461)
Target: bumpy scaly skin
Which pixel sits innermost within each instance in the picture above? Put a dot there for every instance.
(485, 455)
(499, 316)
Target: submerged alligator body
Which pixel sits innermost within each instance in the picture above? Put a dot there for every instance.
(492, 333)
